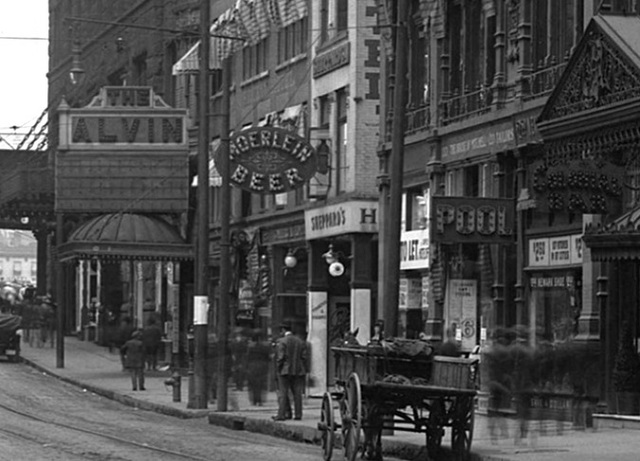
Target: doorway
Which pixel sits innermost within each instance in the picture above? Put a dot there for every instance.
(339, 324)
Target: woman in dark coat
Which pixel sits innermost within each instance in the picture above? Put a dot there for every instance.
(152, 338)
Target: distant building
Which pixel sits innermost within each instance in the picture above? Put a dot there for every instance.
(17, 256)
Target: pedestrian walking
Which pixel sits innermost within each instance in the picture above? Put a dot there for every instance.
(133, 353)
(151, 339)
(291, 361)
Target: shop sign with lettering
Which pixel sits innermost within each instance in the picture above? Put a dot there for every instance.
(270, 160)
(342, 218)
(555, 251)
(331, 60)
(414, 249)
(473, 220)
(552, 281)
(483, 141)
(579, 187)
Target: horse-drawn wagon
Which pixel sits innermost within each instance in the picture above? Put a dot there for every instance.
(9, 336)
(405, 388)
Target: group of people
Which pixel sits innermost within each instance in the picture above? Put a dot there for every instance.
(139, 349)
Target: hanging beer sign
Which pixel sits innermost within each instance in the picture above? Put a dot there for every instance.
(270, 160)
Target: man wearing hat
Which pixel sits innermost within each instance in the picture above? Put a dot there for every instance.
(133, 353)
(291, 362)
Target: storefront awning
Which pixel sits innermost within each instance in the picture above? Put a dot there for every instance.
(126, 236)
(189, 62)
(618, 240)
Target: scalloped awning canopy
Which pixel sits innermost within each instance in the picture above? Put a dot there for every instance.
(618, 240)
(126, 236)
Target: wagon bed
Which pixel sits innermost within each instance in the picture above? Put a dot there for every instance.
(378, 390)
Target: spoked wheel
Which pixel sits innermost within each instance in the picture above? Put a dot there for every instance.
(462, 428)
(326, 425)
(352, 417)
(435, 428)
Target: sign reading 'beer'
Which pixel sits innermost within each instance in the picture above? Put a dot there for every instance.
(270, 160)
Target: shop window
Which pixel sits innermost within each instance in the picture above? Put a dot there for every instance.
(417, 209)
(472, 181)
(555, 302)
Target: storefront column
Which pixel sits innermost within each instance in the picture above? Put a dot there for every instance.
(81, 287)
(317, 315)
(138, 299)
(361, 283)
(42, 238)
(158, 285)
(433, 325)
(589, 320)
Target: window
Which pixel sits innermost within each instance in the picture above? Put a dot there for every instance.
(17, 269)
(334, 19)
(417, 208)
(292, 40)
(418, 65)
(472, 181)
(342, 16)
(342, 165)
(254, 59)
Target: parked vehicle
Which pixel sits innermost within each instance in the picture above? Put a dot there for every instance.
(10, 336)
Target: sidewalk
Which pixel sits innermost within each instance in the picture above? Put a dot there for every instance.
(93, 368)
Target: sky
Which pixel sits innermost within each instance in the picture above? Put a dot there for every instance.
(25, 61)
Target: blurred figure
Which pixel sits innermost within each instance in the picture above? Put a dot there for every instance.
(450, 346)
(238, 349)
(123, 335)
(132, 352)
(152, 338)
(257, 365)
(495, 362)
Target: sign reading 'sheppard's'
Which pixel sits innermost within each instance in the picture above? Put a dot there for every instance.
(270, 160)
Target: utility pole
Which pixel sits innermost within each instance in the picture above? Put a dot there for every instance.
(225, 214)
(394, 215)
(59, 288)
(200, 298)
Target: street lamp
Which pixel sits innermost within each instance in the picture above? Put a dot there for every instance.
(76, 73)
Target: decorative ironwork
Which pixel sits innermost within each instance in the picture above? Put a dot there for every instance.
(460, 107)
(542, 82)
(418, 119)
(601, 77)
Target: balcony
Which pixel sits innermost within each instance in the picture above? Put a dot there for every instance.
(418, 118)
(467, 105)
(541, 82)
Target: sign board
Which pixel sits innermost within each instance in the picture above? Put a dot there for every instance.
(555, 251)
(462, 310)
(270, 160)
(488, 139)
(126, 150)
(473, 220)
(332, 59)
(414, 249)
(344, 218)
(582, 186)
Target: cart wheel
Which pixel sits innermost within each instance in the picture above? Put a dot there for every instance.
(435, 428)
(326, 425)
(462, 428)
(352, 417)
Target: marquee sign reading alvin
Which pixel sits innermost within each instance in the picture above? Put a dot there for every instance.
(473, 220)
(270, 160)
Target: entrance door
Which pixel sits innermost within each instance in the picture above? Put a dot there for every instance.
(339, 324)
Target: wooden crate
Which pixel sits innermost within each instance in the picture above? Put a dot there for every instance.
(372, 365)
(454, 372)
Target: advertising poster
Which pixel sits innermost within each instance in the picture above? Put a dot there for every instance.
(462, 307)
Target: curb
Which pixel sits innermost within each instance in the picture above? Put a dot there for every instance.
(121, 398)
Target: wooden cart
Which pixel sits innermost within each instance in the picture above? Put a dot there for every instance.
(376, 391)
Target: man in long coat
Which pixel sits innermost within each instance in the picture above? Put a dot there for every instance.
(292, 362)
